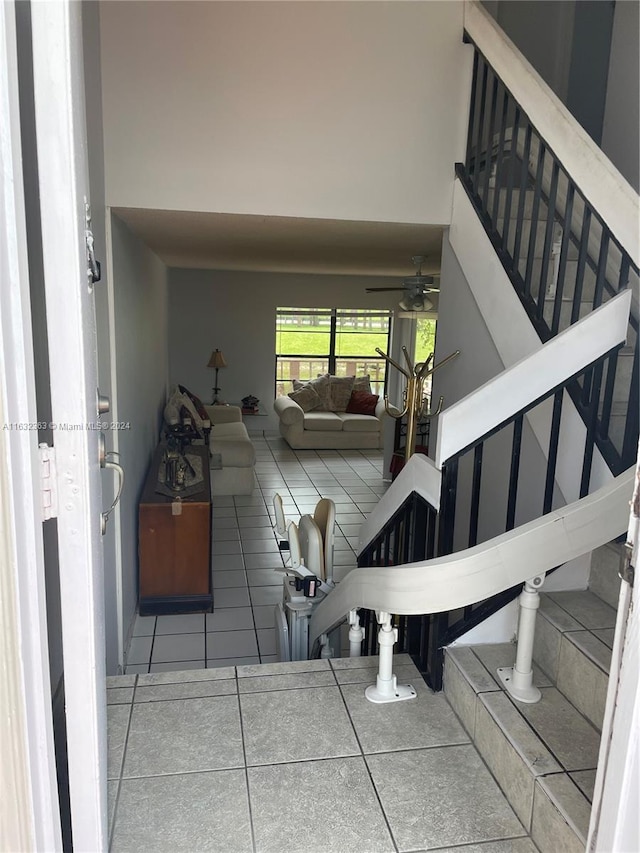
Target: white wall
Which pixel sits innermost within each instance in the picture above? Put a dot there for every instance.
(621, 130)
(590, 68)
(349, 110)
(543, 31)
(461, 326)
(141, 334)
(236, 312)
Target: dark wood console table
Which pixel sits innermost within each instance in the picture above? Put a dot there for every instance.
(174, 546)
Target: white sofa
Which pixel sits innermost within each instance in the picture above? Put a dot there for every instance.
(229, 439)
(319, 430)
(233, 456)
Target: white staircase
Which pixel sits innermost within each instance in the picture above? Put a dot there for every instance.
(544, 756)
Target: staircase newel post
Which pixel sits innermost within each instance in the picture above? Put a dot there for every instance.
(386, 688)
(518, 680)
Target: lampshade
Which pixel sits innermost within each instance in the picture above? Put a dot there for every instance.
(217, 359)
(415, 302)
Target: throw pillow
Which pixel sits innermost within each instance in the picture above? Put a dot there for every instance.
(197, 402)
(297, 384)
(321, 386)
(340, 388)
(306, 398)
(362, 383)
(362, 403)
(172, 408)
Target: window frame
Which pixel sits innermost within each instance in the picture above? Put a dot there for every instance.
(332, 358)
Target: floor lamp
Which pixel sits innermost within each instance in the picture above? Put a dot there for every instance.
(216, 361)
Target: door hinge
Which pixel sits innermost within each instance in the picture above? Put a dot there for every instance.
(627, 570)
(48, 482)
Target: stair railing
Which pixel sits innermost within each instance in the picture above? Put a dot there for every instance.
(531, 392)
(529, 203)
(457, 580)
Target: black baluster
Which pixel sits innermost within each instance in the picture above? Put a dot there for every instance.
(552, 456)
(495, 211)
(562, 266)
(582, 257)
(537, 193)
(489, 147)
(475, 494)
(524, 180)
(601, 269)
(548, 239)
(510, 180)
(472, 109)
(516, 446)
(480, 133)
(592, 423)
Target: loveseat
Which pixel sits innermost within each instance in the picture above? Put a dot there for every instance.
(231, 452)
(332, 413)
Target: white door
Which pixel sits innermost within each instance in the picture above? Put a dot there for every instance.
(71, 329)
(30, 816)
(615, 819)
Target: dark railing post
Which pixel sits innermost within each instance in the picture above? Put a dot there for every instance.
(516, 447)
(475, 494)
(447, 517)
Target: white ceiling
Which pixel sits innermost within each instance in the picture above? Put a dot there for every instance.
(284, 244)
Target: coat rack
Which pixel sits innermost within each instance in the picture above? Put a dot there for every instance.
(415, 404)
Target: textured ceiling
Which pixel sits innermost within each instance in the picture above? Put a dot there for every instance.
(284, 244)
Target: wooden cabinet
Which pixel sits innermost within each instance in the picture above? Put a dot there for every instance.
(174, 546)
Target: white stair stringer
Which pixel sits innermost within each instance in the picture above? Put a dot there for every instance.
(456, 580)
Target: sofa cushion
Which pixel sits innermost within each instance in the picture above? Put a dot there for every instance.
(362, 403)
(319, 421)
(340, 388)
(306, 397)
(359, 423)
(362, 383)
(233, 443)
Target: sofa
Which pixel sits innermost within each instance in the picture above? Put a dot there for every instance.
(231, 452)
(332, 413)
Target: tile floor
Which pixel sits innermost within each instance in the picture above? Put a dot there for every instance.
(293, 757)
(245, 554)
(209, 752)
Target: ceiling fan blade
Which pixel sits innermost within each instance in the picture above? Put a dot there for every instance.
(382, 289)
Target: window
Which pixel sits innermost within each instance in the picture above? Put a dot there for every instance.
(340, 341)
(425, 344)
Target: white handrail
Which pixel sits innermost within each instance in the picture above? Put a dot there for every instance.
(419, 475)
(597, 178)
(454, 581)
(533, 376)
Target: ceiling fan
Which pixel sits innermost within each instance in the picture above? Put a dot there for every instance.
(415, 287)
